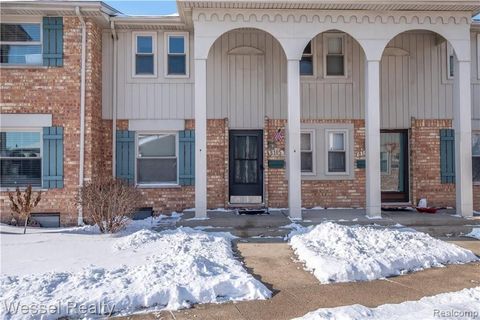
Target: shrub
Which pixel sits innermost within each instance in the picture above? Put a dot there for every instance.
(109, 202)
(23, 204)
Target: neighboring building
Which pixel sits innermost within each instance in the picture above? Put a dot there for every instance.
(244, 103)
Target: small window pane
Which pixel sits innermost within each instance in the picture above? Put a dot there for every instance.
(308, 48)
(306, 66)
(336, 142)
(177, 65)
(336, 162)
(155, 171)
(144, 44)
(20, 172)
(20, 32)
(21, 54)
(306, 144)
(335, 45)
(451, 65)
(176, 44)
(144, 64)
(476, 144)
(20, 144)
(307, 162)
(476, 169)
(158, 145)
(335, 66)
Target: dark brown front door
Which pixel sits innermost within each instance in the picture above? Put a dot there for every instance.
(394, 165)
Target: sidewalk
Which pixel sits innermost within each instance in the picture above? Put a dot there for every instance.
(297, 292)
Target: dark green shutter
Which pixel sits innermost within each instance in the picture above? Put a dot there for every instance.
(125, 155)
(53, 41)
(447, 155)
(52, 171)
(186, 157)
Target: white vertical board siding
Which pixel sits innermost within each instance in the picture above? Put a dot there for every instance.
(415, 85)
(475, 80)
(246, 87)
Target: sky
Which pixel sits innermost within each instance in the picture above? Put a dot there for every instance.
(144, 7)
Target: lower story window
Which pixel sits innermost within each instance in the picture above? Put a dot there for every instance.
(476, 157)
(20, 159)
(157, 156)
(337, 152)
(307, 152)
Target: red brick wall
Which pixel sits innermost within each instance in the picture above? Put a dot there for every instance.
(425, 163)
(57, 91)
(325, 193)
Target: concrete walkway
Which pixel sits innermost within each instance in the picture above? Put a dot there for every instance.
(297, 292)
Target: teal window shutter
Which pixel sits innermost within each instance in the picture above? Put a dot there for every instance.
(186, 157)
(52, 169)
(125, 156)
(447, 155)
(53, 41)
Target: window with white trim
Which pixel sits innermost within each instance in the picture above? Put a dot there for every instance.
(306, 62)
(21, 43)
(334, 49)
(385, 162)
(450, 62)
(476, 156)
(20, 158)
(145, 52)
(307, 156)
(157, 158)
(177, 54)
(336, 151)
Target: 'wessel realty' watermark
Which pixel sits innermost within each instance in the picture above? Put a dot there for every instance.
(60, 308)
(456, 314)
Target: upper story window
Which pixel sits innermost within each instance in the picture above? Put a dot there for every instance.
(337, 151)
(334, 47)
(450, 62)
(306, 63)
(145, 51)
(177, 54)
(20, 159)
(157, 157)
(21, 43)
(476, 156)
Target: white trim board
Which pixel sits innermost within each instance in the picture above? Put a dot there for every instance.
(156, 125)
(25, 120)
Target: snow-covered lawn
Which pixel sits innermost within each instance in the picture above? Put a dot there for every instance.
(337, 253)
(464, 304)
(139, 269)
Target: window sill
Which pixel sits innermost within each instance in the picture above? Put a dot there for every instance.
(6, 66)
(177, 76)
(144, 76)
(13, 189)
(158, 186)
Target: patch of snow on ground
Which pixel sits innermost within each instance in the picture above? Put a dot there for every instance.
(142, 270)
(474, 234)
(337, 253)
(464, 304)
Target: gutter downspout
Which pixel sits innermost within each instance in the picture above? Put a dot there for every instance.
(82, 110)
(114, 100)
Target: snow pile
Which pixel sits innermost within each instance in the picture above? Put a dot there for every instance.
(463, 304)
(474, 234)
(145, 270)
(337, 253)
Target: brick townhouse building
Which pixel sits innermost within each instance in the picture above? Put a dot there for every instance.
(290, 104)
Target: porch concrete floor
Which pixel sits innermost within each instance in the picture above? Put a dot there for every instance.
(271, 227)
(297, 292)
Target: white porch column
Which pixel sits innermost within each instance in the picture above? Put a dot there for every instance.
(372, 137)
(462, 119)
(200, 138)
(293, 152)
